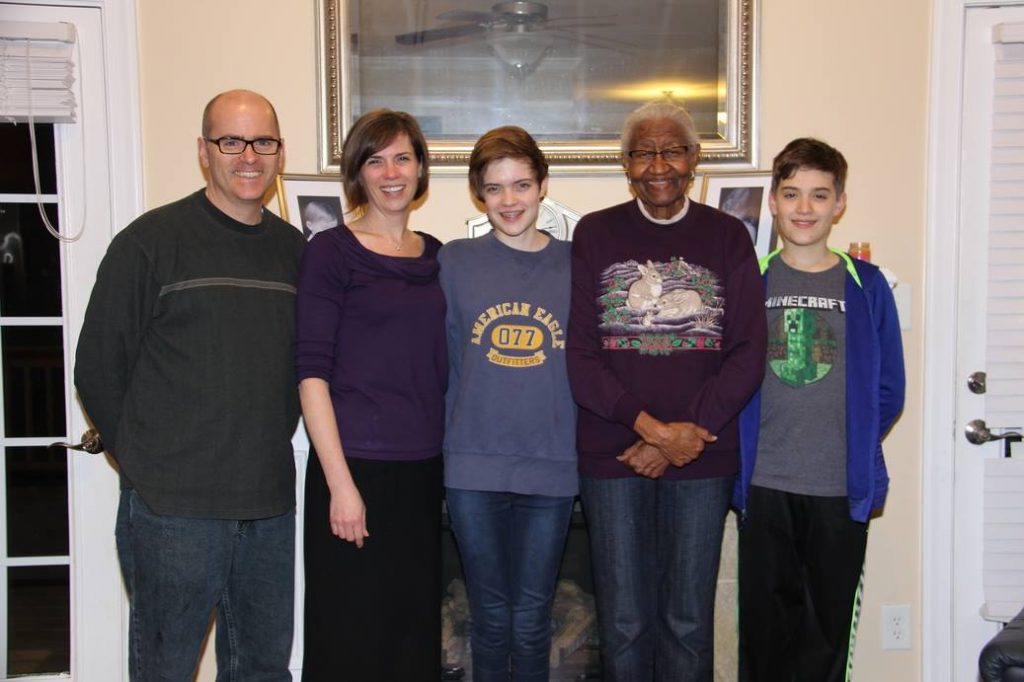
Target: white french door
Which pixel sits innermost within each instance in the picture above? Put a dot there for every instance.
(64, 607)
(975, 316)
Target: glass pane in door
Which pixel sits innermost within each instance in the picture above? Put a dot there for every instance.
(38, 620)
(33, 391)
(16, 170)
(35, 606)
(29, 262)
(37, 501)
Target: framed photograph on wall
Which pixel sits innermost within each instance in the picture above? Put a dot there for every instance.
(567, 71)
(310, 202)
(744, 196)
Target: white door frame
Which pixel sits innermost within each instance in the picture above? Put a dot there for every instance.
(108, 134)
(99, 608)
(942, 621)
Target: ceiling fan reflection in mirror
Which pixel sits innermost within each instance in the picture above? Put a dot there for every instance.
(519, 32)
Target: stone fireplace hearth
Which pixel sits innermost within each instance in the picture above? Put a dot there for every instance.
(574, 654)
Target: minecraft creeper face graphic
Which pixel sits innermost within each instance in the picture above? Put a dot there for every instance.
(809, 347)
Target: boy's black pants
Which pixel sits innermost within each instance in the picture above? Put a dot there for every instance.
(801, 559)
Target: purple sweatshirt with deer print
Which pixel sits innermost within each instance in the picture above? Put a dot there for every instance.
(667, 318)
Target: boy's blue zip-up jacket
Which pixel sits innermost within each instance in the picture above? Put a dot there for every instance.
(875, 386)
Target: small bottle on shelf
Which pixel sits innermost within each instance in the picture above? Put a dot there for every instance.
(860, 250)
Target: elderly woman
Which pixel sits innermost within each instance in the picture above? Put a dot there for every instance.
(372, 370)
(666, 343)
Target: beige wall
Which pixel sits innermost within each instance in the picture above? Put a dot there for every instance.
(854, 73)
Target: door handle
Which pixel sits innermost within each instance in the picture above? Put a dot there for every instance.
(91, 443)
(978, 433)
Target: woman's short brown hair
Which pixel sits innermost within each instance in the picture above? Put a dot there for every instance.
(372, 132)
(506, 142)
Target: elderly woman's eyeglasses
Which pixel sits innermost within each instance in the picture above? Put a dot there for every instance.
(237, 145)
(668, 155)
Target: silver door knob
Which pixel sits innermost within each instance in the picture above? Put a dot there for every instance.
(976, 383)
(91, 443)
(977, 432)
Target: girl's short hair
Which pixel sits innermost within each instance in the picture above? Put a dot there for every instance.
(506, 142)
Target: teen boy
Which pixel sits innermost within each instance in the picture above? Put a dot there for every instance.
(812, 466)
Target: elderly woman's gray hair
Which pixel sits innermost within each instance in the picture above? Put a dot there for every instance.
(662, 108)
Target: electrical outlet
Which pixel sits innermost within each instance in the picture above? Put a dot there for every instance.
(896, 626)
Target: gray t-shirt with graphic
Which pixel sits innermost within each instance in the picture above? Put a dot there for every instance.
(802, 438)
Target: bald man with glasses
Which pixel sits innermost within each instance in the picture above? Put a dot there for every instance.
(185, 366)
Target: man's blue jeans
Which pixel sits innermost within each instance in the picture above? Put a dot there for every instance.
(511, 547)
(655, 547)
(177, 570)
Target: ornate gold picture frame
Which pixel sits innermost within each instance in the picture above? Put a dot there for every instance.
(568, 71)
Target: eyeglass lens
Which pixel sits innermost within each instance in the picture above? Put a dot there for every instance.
(670, 154)
(237, 145)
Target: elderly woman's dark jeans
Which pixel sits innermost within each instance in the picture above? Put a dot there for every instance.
(655, 547)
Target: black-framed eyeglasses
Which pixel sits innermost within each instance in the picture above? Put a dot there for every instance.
(668, 155)
(237, 145)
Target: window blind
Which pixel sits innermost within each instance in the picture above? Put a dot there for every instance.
(37, 72)
(1003, 560)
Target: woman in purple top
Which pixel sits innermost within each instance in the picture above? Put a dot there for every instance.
(372, 370)
(666, 343)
